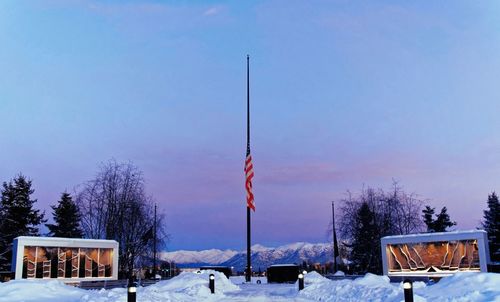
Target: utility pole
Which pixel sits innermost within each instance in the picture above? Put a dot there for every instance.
(335, 246)
(154, 246)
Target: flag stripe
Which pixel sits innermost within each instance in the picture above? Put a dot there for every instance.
(248, 181)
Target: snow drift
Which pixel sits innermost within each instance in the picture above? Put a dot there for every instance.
(461, 287)
(477, 287)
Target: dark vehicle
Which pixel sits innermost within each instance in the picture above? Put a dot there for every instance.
(226, 270)
(282, 273)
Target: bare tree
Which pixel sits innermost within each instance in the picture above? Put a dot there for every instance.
(396, 212)
(115, 206)
(393, 213)
(407, 208)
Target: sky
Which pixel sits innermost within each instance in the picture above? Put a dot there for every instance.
(344, 94)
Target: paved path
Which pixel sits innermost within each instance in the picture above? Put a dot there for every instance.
(265, 292)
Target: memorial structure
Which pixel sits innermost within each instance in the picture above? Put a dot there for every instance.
(435, 254)
(65, 259)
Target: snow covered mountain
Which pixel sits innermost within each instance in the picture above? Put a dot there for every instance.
(262, 256)
(197, 258)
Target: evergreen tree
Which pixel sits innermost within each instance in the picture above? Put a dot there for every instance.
(491, 224)
(428, 220)
(440, 224)
(443, 221)
(67, 219)
(365, 252)
(17, 216)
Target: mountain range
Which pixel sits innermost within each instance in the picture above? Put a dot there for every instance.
(262, 256)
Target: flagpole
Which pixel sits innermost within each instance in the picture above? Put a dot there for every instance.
(154, 247)
(249, 266)
(335, 247)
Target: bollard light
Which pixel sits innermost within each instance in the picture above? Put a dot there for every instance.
(301, 281)
(211, 283)
(304, 272)
(408, 290)
(131, 291)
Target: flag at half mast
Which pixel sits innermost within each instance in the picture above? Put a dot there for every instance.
(248, 180)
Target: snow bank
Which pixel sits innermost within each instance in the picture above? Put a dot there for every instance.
(314, 277)
(461, 287)
(190, 287)
(464, 287)
(186, 287)
(368, 288)
(39, 290)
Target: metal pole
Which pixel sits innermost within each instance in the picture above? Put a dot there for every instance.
(334, 239)
(248, 275)
(408, 290)
(211, 283)
(154, 247)
(131, 291)
(301, 281)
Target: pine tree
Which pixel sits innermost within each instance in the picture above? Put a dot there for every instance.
(365, 252)
(17, 216)
(441, 223)
(428, 220)
(491, 224)
(66, 218)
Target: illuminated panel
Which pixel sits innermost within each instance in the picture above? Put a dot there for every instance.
(29, 262)
(433, 257)
(105, 262)
(65, 259)
(43, 262)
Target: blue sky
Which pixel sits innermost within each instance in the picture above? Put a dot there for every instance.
(344, 93)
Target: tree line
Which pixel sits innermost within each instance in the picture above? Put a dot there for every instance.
(114, 205)
(371, 214)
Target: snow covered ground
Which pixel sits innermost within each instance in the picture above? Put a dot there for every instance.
(477, 287)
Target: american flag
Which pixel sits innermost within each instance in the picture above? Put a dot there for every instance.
(248, 182)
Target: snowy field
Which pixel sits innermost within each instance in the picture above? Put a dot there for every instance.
(190, 287)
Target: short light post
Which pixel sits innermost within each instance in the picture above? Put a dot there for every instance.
(131, 291)
(408, 289)
(211, 283)
(301, 281)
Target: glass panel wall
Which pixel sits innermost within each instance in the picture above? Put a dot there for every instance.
(29, 262)
(50, 265)
(94, 261)
(105, 262)
(42, 264)
(61, 262)
(442, 256)
(72, 263)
